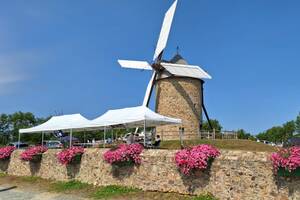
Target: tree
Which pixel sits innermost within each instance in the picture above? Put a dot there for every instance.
(288, 130)
(215, 125)
(241, 134)
(297, 124)
(4, 128)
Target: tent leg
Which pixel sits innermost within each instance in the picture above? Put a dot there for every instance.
(104, 137)
(145, 133)
(84, 137)
(42, 138)
(19, 140)
(71, 138)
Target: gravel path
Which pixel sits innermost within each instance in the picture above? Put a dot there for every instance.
(9, 192)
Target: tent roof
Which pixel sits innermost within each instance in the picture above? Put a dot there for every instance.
(132, 117)
(63, 122)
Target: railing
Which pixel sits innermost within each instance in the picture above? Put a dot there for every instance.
(169, 135)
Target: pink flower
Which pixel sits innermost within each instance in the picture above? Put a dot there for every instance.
(195, 158)
(286, 158)
(29, 153)
(67, 155)
(124, 153)
(5, 152)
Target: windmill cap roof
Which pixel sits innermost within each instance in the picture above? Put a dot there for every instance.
(178, 59)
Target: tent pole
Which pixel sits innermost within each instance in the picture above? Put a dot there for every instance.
(145, 133)
(19, 140)
(71, 138)
(42, 138)
(104, 136)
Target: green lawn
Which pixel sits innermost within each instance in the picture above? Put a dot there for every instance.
(246, 145)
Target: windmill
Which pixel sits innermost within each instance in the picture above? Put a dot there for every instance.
(177, 68)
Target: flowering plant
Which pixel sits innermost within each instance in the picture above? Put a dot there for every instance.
(5, 152)
(33, 153)
(286, 159)
(197, 157)
(72, 154)
(124, 153)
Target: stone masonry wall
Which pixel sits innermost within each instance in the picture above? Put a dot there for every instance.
(179, 97)
(234, 175)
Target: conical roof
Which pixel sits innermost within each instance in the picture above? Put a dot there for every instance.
(178, 59)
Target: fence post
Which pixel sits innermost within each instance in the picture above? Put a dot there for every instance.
(180, 135)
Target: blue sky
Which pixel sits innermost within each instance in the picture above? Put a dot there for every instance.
(61, 56)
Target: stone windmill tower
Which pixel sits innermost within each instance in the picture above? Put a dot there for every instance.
(180, 95)
(179, 86)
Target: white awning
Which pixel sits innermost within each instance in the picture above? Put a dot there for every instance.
(132, 117)
(63, 122)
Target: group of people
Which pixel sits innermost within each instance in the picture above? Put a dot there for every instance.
(135, 138)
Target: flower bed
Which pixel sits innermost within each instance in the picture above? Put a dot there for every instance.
(5, 152)
(195, 158)
(124, 154)
(286, 162)
(33, 154)
(71, 155)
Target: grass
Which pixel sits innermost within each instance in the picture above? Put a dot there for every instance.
(61, 186)
(85, 190)
(246, 145)
(204, 197)
(113, 190)
(30, 179)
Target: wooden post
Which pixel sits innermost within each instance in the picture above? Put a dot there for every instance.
(181, 137)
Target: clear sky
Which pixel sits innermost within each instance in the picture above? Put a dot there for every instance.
(61, 56)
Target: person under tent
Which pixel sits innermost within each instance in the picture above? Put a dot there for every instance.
(157, 141)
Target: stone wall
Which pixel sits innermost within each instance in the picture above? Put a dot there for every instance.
(234, 175)
(179, 97)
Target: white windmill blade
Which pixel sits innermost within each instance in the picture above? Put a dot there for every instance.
(186, 70)
(165, 30)
(149, 90)
(135, 64)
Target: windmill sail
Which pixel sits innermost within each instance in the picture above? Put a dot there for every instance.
(165, 30)
(135, 64)
(149, 90)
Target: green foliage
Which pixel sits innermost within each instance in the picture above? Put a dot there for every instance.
(113, 190)
(67, 186)
(2, 174)
(10, 125)
(30, 179)
(242, 134)
(279, 133)
(297, 124)
(204, 197)
(214, 123)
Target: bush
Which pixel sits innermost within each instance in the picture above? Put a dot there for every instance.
(5, 152)
(288, 159)
(67, 156)
(195, 158)
(33, 153)
(124, 153)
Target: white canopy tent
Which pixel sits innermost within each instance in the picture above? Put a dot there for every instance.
(68, 123)
(132, 117)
